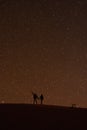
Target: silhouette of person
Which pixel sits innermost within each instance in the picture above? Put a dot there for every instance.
(35, 97)
(41, 98)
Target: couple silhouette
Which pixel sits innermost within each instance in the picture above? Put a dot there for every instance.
(35, 98)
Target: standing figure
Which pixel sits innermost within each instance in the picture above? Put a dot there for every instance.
(35, 97)
(41, 98)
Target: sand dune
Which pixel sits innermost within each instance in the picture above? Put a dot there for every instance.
(41, 117)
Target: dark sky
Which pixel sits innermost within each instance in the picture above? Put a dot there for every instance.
(43, 48)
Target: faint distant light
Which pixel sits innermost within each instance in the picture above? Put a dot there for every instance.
(2, 102)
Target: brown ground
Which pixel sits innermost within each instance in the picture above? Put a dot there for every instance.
(41, 117)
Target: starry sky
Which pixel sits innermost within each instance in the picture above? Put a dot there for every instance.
(43, 48)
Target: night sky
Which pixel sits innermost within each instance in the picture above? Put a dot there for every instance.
(43, 48)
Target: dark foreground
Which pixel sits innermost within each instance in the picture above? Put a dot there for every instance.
(37, 117)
